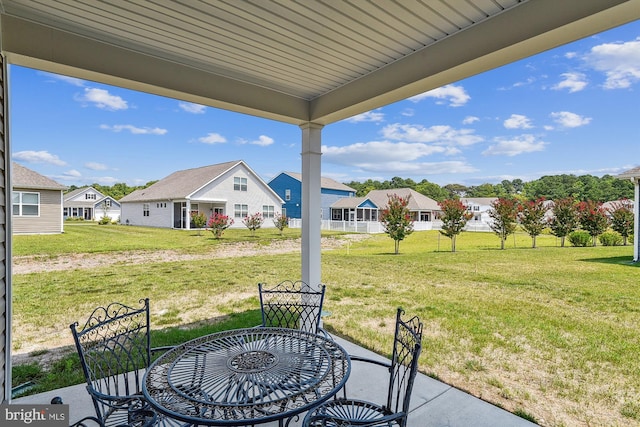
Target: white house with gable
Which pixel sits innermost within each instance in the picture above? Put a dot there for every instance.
(230, 188)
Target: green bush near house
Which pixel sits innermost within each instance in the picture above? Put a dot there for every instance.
(580, 238)
(610, 238)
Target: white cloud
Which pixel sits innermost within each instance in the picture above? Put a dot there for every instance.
(369, 116)
(570, 55)
(392, 157)
(262, 141)
(408, 112)
(378, 152)
(515, 146)
(518, 121)
(574, 82)
(470, 120)
(439, 134)
(101, 98)
(192, 108)
(38, 157)
(66, 79)
(213, 138)
(73, 173)
(456, 96)
(95, 166)
(569, 120)
(620, 62)
(134, 129)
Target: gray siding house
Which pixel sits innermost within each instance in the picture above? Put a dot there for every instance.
(90, 204)
(36, 202)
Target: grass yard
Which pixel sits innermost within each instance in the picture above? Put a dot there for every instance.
(549, 333)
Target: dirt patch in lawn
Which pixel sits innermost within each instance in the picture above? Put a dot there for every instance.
(56, 345)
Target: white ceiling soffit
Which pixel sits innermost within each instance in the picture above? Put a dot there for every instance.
(293, 61)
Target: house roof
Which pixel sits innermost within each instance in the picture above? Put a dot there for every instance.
(484, 201)
(325, 182)
(349, 202)
(294, 61)
(417, 202)
(22, 177)
(631, 173)
(77, 191)
(182, 184)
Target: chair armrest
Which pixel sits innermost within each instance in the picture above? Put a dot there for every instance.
(367, 360)
(162, 349)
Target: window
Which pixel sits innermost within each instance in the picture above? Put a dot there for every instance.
(287, 194)
(476, 208)
(268, 211)
(90, 196)
(284, 212)
(239, 184)
(240, 211)
(26, 204)
(145, 209)
(107, 203)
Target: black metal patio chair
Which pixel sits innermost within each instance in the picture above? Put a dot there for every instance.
(342, 412)
(114, 346)
(292, 305)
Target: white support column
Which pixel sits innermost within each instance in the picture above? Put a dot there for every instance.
(187, 215)
(311, 204)
(636, 221)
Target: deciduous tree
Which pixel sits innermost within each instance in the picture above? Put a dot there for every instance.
(199, 221)
(218, 223)
(454, 217)
(253, 222)
(593, 219)
(564, 218)
(622, 219)
(396, 219)
(532, 217)
(504, 213)
(281, 222)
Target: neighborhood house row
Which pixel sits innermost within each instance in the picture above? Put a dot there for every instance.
(231, 188)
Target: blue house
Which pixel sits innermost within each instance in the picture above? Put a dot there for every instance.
(288, 185)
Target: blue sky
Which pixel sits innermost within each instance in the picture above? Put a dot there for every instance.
(573, 110)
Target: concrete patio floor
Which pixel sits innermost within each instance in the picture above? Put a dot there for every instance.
(433, 404)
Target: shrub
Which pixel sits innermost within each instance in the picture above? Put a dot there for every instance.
(579, 238)
(610, 238)
(105, 220)
(218, 223)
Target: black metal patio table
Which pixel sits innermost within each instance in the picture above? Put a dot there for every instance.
(246, 376)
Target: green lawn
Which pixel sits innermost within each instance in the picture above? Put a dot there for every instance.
(549, 333)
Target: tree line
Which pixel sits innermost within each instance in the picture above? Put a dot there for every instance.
(550, 187)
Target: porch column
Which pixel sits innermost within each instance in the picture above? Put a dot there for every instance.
(311, 209)
(187, 214)
(5, 241)
(636, 221)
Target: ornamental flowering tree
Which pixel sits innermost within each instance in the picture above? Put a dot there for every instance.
(504, 213)
(281, 222)
(253, 222)
(218, 223)
(454, 217)
(396, 219)
(564, 219)
(622, 219)
(593, 218)
(199, 220)
(531, 215)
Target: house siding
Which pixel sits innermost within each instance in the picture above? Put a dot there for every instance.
(5, 251)
(328, 196)
(284, 182)
(113, 212)
(160, 214)
(255, 197)
(50, 219)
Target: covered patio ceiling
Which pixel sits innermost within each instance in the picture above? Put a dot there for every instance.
(317, 61)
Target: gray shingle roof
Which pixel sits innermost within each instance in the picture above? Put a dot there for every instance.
(631, 173)
(22, 177)
(180, 184)
(417, 202)
(327, 183)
